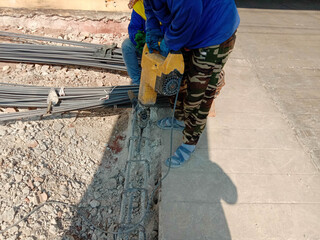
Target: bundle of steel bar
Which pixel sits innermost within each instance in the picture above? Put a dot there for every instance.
(74, 53)
(69, 99)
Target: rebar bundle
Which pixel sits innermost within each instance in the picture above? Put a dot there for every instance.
(68, 99)
(75, 53)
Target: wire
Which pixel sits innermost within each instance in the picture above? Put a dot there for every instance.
(36, 209)
(134, 227)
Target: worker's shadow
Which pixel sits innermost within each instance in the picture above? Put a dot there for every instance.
(99, 205)
(195, 195)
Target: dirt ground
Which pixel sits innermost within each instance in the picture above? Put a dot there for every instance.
(75, 158)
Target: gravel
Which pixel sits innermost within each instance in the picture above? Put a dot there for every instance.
(68, 157)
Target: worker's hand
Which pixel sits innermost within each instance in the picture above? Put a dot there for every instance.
(164, 50)
(152, 39)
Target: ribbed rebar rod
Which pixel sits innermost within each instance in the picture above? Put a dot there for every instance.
(85, 98)
(48, 39)
(65, 62)
(87, 54)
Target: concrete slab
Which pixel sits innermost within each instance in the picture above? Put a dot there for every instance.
(306, 120)
(244, 105)
(241, 221)
(255, 173)
(252, 161)
(244, 187)
(248, 139)
(272, 221)
(240, 120)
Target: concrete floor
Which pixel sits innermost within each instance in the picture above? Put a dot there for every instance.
(255, 173)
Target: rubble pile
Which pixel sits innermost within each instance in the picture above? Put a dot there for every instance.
(76, 158)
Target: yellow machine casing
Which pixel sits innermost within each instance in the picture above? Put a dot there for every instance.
(159, 75)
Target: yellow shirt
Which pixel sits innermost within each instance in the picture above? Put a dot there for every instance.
(139, 8)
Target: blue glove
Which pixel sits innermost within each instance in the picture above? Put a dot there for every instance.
(164, 50)
(152, 39)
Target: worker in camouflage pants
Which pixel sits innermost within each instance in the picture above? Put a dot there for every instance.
(204, 31)
(204, 77)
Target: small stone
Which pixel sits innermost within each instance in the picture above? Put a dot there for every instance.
(121, 179)
(69, 237)
(8, 215)
(154, 235)
(71, 132)
(112, 183)
(94, 203)
(26, 191)
(7, 186)
(59, 214)
(38, 179)
(32, 144)
(11, 110)
(43, 146)
(13, 230)
(57, 68)
(94, 236)
(5, 68)
(30, 184)
(37, 184)
(57, 127)
(34, 200)
(135, 205)
(30, 238)
(45, 171)
(19, 66)
(18, 177)
(4, 176)
(12, 237)
(64, 191)
(44, 70)
(24, 163)
(3, 131)
(53, 221)
(97, 195)
(53, 229)
(99, 83)
(57, 151)
(43, 197)
(27, 231)
(93, 212)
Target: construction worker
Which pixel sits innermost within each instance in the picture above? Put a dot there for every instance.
(204, 30)
(132, 47)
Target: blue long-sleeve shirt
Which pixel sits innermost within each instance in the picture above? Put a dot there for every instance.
(136, 23)
(195, 23)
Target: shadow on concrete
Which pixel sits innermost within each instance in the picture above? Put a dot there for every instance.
(211, 213)
(280, 4)
(193, 195)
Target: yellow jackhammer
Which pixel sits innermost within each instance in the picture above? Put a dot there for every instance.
(159, 75)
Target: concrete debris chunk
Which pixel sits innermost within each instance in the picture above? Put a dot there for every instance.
(42, 197)
(94, 203)
(5, 68)
(8, 215)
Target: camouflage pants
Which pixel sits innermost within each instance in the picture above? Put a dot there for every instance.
(201, 84)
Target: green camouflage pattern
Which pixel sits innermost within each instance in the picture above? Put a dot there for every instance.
(202, 82)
